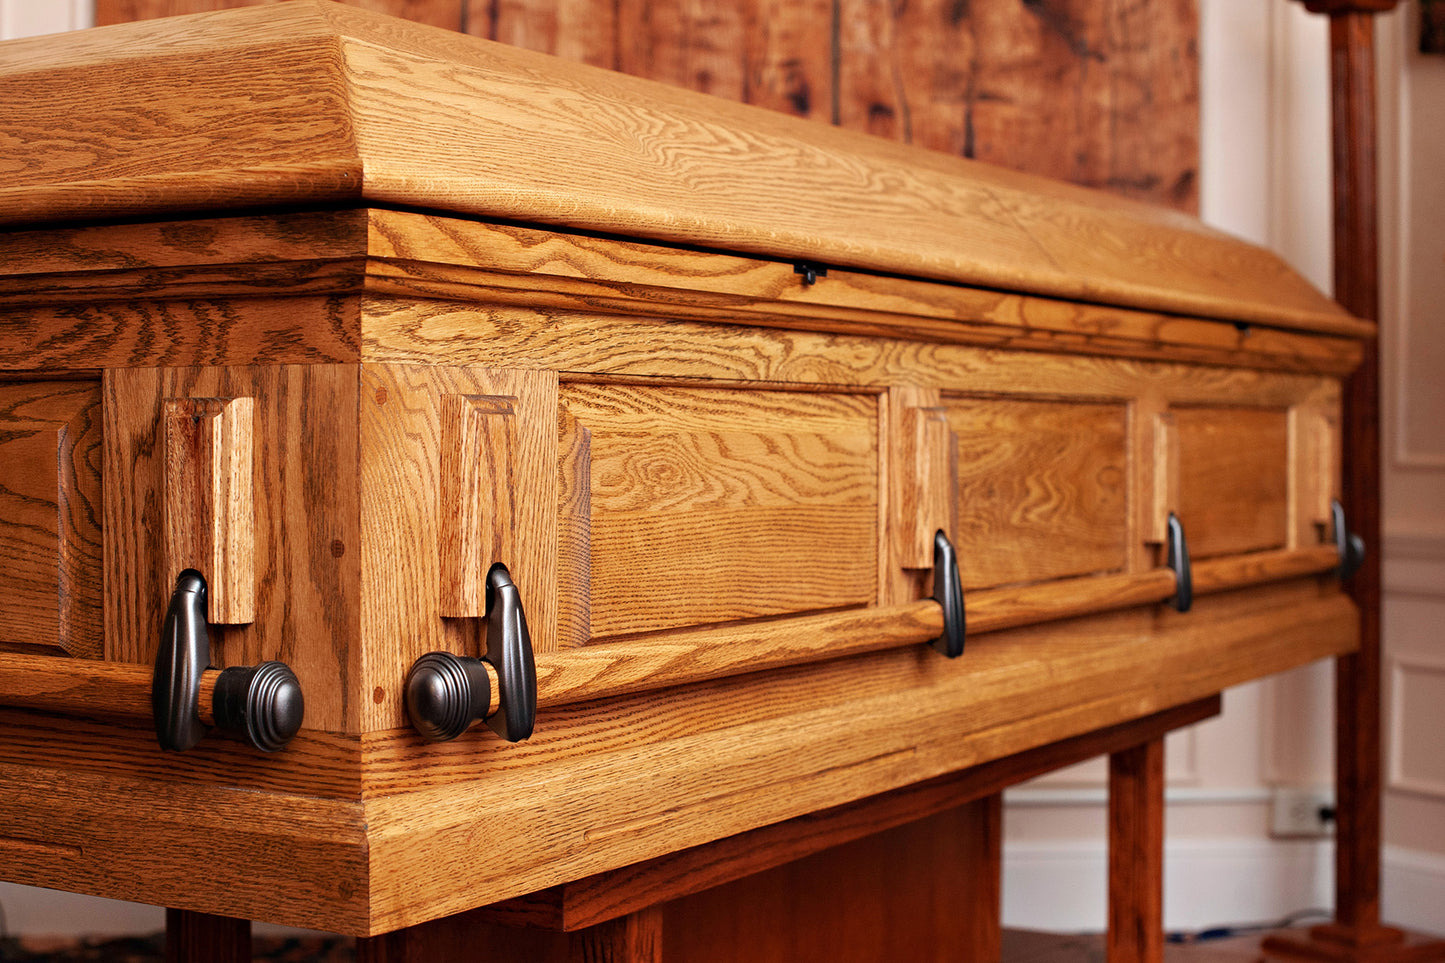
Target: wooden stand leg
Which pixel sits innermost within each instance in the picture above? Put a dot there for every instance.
(634, 938)
(1357, 933)
(1136, 854)
(203, 938)
(926, 891)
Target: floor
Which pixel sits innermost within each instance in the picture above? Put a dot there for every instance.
(1019, 946)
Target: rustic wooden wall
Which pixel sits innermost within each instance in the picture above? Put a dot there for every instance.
(1100, 92)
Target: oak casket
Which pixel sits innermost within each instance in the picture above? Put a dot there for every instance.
(687, 443)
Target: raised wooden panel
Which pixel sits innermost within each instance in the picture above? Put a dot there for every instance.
(1042, 488)
(50, 569)
(210, 515)
(1233, 478)
(708, 505)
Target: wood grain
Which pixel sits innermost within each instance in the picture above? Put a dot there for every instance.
(418, 798)
(1163, 485)
(1314, 468)
(987, 80)
(331, 122)
(50, 538)
(926, 890)
(1042, 489)
(140, 333)
(417, 819)
(307, 538)
(308, 311)
(91, 688)
(85, 687)
(690, 656)
(1136, 854)
(588, 901)
(976, 81)
(1358, 738)
(577, 30)
(316, 765)
(695, 655)
(209, 492)
(401, 458)
(740, 493)
(925, 494)
(206, 938)
(409, 244)
(577, 341)
(1233, 478)
(225, 850)
(475, 509)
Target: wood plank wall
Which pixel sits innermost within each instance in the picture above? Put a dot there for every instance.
(1100, 92)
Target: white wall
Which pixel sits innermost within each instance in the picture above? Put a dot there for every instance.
(1413, 373)
(30, 18)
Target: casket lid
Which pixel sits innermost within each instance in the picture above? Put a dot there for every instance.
(312, 102)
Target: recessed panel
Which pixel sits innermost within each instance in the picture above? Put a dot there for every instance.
(50, 574)
(691, 506)
(1042, 489)
(1233, 479)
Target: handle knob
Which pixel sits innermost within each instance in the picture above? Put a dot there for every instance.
(1178, 560)
(263, 704)
(446, 693)
(948, 592)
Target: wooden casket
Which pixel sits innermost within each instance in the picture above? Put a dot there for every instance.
(735, 468)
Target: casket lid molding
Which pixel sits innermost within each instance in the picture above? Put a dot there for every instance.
(312, 102)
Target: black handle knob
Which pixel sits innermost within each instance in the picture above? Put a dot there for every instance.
(948, 592)
(263, 704)
(1178, 560)
(446, 693)
(1351, 547)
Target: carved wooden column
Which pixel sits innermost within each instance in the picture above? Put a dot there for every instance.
(1357, 933)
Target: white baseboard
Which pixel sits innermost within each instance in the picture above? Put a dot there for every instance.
(1412, 889)
(1061, 886)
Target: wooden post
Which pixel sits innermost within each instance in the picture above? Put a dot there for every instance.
(1136, 854)
(203, 938)
(1357, 932)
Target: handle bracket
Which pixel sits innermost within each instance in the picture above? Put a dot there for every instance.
(948, 592)
(446, 693)
(1178, 560)
(1349, 546)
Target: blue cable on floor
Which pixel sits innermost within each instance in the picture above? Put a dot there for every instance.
(1244, 929)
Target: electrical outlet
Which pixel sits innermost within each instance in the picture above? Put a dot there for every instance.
(1300, 812)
